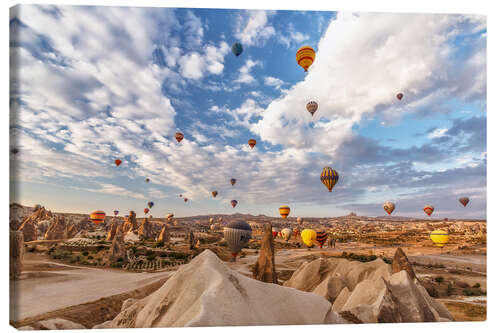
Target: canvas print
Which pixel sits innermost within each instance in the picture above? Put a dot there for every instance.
(219, 167)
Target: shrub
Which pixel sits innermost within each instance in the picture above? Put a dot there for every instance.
(85, 253)
(432, 291)
(159, 244)
(100, 248)
(477, 285)
(90, 257)
(439, 279)
(119, 259)
(32, 249)
(450, 290)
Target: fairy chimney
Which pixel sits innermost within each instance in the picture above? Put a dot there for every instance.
(264, 269)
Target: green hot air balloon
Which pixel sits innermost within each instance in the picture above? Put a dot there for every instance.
(237, 49)
(237, 234)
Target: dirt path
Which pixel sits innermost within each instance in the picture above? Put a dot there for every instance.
(34, 295)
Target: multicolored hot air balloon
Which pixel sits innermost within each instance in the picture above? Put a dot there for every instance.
(214, 193)
(115, 212)
(151, 204)
(312, 106)
(299, 220)
(305, 57)
(237, 234)
(233, 181)
(252, 143)
(118, 162)
(464, 201)
(440, 237)
(428, 209)
(399, 96)
(237, 49)
(146, 210)
(296, 231)
(286, 233)
(329, 177)
(97, 216)
(389, 207)
(284, 211)
(179, 136)
(321, 237)
(308, 237)
(234, 203)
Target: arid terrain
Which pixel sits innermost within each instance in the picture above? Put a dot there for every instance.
(76, 274)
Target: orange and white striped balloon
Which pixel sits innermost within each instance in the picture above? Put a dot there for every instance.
(305, 57)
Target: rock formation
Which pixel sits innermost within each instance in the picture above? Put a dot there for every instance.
(71, 231)
(16, 254)
(206, 292)
(112, 231)
(117, 249)
(57, 229)
(164, 235)
(145, 230)
(400, 262)
(368, 292)
(264, 269)
(191, 239)
(29, 230)
(130, 223)
(53, 324)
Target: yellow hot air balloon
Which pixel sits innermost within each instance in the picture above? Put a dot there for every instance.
(308, 237)
(284, 211)
(440, 237)
(329, 178)
(97, 216)
(305, 57)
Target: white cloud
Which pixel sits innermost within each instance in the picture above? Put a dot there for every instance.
(256, 29)
(244, 72)
(195, 65)
(437, 133)
(273, 82)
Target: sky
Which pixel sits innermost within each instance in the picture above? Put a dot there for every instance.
(93, 84)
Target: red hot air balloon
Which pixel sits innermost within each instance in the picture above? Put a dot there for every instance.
(179, 136)
(252, 143)
(185, 199)
(214, 193)
(146, 210)
(464, 201)
(399, 96)
(97, 217)
(428, 209)
(321, 237)
(234, 203)
(118, 162)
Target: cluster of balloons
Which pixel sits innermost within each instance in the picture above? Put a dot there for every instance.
(428, 209)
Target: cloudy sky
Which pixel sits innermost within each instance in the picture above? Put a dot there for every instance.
(92, 84)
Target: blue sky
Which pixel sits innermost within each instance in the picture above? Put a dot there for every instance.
(91, 84)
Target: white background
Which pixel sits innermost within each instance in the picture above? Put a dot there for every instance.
(417, 6)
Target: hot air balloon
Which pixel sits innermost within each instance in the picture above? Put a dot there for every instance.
(146, 210)
(97, 216)
(147, 180)
(312, 106)
(185, 199)
(305, 57)
(237, 48)
(284, 211)
(428, 209)
(214, 193)
(389, 207)
(464, 201)
(220, 219)
(169, 216)
(179, 136)
(150, 217)
(115, 212)
(321, 237)
(213, 227)
(275, 231)
(299, 220)
(296, 231)
(234, 203)
(14, 151)
(440, 237)
(252, 143)
(151, 204)
(237, 234)
(308, 237)
(118, 162)
(329, 177)
(286, 233)
(211, 220)
(233, 181)
(399, 96)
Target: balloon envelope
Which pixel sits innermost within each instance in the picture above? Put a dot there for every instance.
(321, 237)
(252, 143)
(440, 237)
(232, 181)
(115, 212)
(305, 57)
(389, 207)
(237, 234)
(464, 201)
(234, 203)
(118, 162)
(146, 210)
(214, 193)
(185, 199)
(329, 178)
(97, 216)
(286, 233)
(179, 136)
(399, 96)
(428, 209)
(308, 237)
(284, 211)
(299, 220)
(312, 106)
(237, 49)
(151, 204)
